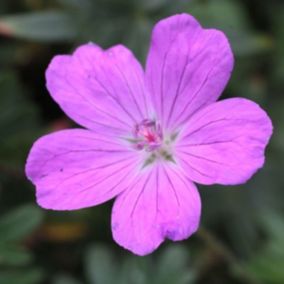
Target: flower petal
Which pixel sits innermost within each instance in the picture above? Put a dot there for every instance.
(187, 68)
(224, 143)
(159, 204)
(76, 168)
(101, 90)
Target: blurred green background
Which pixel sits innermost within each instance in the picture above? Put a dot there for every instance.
(242, 235)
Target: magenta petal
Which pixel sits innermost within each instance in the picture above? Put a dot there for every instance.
(160, 204)
(187, 68)
(76, 168)
(224, 143)
(101, 90)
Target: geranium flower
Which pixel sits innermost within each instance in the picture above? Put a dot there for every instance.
(149, 135)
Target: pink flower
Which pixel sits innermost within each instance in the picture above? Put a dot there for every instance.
(150, 135)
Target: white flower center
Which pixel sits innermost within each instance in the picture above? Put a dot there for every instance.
(148, 136)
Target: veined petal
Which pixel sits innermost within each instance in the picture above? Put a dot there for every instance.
(76, 168)
(159, 204)
(187, 68)
(101, 90)
(224, 143)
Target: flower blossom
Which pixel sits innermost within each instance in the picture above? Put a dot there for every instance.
(149, 135)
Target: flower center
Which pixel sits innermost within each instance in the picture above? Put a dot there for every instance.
(148, 135)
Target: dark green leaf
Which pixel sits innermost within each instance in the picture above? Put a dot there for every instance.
(173, 266)
(229, 16)
(19, 223)
(18, 120)
(100, 265)
(24, 276)
(40, 26)
(65, 279)
(12, 255)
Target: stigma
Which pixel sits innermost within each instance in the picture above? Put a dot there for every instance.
(148, 135)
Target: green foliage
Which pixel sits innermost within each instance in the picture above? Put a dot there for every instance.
(15, 259)
(40, 26)
(18, 224)
(242, 219)
(18, 119)
(230, 17)
(169, 267)
(65, 279)
(23, 276)
(267, 263)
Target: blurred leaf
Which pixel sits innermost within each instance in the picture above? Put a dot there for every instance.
(8, 53)
(20, 223)
(230, 17)
(40, 26)
(151, 5)
(65, 279)
(18, 120)
(256, 33)
(82, 5)
(136, 270)
(14, 107)
(24, 276)
(100, 265)
(12, 255)
(172, 266)
(138, 36)
(245, 44)
(267, 264)
(226, 15)
(278, 55)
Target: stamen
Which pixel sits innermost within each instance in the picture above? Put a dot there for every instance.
(148, 135)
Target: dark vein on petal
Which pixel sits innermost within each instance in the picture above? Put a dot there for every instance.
(120, 181)
(202, 158)
(178, 90)
(157, 192)
(99, 123)
(130, 91)
(196, 170)
(106, 178)
(205, 125)
(194, 96)
(163, 73)
(162, 84)
(54, 156)
(132, 185)
(99, 140)
(172, 186)
(140, 194)
(189, 145)
(142, 87)
(91, 169)
(187, 64)
(109, 93)
(114, 98)
(104, 193)
(91, 102)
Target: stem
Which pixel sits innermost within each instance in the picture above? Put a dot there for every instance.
(212, 242)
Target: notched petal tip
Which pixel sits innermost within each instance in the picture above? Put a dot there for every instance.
(177, 21)
(102, 90)
(161, 205)
(187, 68)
